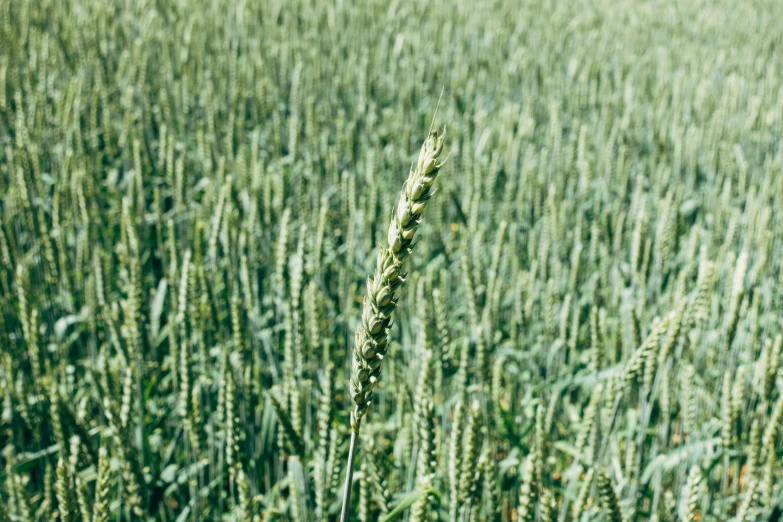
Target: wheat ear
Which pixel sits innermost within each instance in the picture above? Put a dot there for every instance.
(372, 334)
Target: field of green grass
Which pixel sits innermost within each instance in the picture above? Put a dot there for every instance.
(217, 269)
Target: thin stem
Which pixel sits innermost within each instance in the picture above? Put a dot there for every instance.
(346, 512)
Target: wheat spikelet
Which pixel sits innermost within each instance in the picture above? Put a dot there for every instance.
(379, 484)
(427, 460)
(754, 446)
(773, 362)
(744, 512)
(364, 495)
(547, 507)
(692, 495)
(64, 488)
(101, 504)
(291, 435)
(380, 302)
(528, 493)
(85, 506)
(455, 456)
(584, 491)
(588, 419)
(609, 498)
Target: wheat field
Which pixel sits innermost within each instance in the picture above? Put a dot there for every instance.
(221, 294)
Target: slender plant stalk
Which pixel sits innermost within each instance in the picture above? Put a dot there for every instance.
(379, 303)
(345, 513)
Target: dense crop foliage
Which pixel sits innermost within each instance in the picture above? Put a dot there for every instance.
(193, 194)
